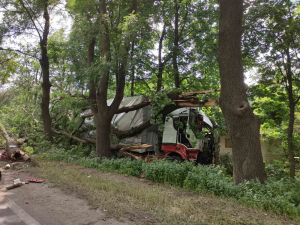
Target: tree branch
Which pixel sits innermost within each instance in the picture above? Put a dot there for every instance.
(19, 51)
(32, 20)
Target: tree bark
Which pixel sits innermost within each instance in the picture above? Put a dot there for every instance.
(46, 86)
(176, 47)
(132, 70)
(242, 124)
(291, 116)
(103, 136)
(103, 113)
(161, 64)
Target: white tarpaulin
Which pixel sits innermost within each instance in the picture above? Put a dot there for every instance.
(126, 121)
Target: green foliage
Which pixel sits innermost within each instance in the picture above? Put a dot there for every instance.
(168, 172)
(226, 162)
(280, 195)
(278, 169)
(159, 101)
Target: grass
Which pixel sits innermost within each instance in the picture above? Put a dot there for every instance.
(279, 194)
(145, 202)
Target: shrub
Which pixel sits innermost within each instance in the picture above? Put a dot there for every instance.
(277, 169)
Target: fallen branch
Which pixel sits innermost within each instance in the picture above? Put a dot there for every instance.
(186, 99)
(85, 140)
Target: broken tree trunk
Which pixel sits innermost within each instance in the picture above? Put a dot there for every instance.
(12, 146)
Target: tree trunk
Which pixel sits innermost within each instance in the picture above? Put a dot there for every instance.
(290, 141)
(176, 47)
(44, 62)
(103, 136)
(291, 116)
(104, 113)
(161, 64)
(132, 71)
(242, 124)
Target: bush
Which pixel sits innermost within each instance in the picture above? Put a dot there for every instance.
(277, 169)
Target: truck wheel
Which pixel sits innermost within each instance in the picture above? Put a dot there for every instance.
(176, 158)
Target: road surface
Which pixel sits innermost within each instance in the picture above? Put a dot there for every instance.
(41, 204)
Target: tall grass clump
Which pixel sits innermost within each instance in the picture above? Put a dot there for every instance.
(164, 171)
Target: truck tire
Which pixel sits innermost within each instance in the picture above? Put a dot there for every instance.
(175, 158)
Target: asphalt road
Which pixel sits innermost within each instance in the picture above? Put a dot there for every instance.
(43, 204)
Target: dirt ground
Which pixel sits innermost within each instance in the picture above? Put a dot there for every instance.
(50, 205)
(72, 194)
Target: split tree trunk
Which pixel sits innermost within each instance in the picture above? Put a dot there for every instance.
(242, 124)
(103, 113)
(12, 146)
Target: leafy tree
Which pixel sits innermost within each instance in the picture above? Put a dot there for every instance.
(23, 18)
(272, 42)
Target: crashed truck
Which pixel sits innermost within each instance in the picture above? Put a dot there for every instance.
(187, 134)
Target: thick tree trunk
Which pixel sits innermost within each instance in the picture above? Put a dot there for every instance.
(242, 124)
(44, 62)
(176, 47)
(103, 136)
(104, 113)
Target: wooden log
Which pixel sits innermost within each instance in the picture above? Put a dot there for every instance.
(14, 186)
(134, 147)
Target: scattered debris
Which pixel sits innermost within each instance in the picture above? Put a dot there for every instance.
(36, 180)
(3, 155)
(14, 186)
(142, 175)
(7, 166)
(16, 153)
(17, 181)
